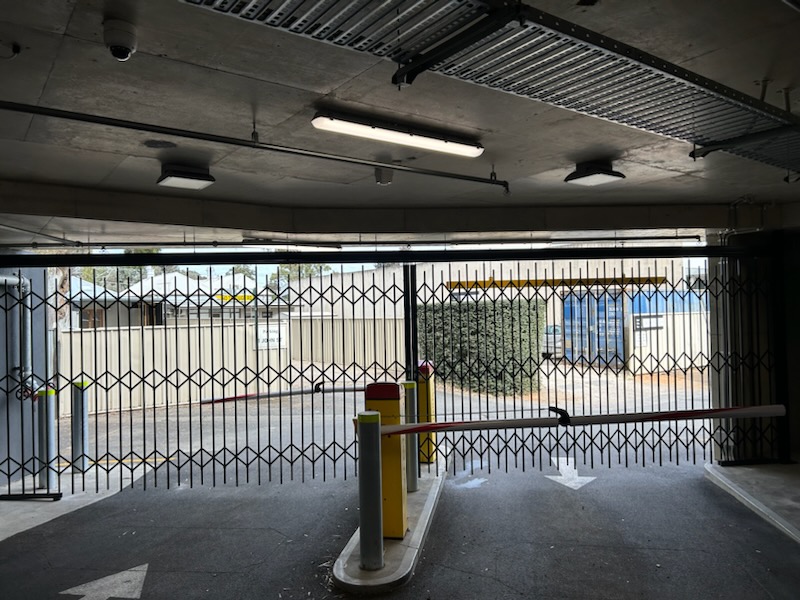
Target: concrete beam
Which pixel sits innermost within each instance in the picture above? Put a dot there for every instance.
(107, 205)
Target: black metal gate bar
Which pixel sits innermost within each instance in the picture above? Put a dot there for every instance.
(190, 259)
(746, 357)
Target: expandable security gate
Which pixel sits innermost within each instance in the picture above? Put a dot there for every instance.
(202, 376)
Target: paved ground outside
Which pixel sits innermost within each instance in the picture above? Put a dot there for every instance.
(642, 532)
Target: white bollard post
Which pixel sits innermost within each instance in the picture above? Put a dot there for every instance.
(370, 491)
(412, 439)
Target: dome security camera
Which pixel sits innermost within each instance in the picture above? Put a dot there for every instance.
(120, 38)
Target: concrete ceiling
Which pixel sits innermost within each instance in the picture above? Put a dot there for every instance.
(211, 73)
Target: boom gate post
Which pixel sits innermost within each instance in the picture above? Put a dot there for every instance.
(412, 439)
(80, 425)
(426, 411)
(46, 399)
(387, 399)
(370, 496)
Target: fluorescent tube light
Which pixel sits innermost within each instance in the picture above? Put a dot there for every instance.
(185, 178)
(396, 136)
(593, 173)
(795, 4)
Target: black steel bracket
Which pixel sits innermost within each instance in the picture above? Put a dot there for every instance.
(563, 416)
(750, 138)
(491, 22)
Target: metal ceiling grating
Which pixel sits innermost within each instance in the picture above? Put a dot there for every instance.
(542, 58)
(390, 28)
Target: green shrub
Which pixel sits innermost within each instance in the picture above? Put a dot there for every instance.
(483, 346)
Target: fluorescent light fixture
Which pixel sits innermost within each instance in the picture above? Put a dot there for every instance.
(397, 135)
(593, 173)
(185, 178)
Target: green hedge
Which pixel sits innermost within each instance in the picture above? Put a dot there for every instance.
(483, 346)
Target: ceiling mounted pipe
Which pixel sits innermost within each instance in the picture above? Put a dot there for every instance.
(55, 113)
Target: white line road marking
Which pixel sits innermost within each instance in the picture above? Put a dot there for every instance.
(126, 584)
(569, 474)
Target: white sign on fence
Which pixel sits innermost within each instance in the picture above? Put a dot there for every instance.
(271, 336)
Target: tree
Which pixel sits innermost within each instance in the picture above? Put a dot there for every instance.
(195, 275)
(119, 278)
(287, 273)
(246, 270)
(113, 278)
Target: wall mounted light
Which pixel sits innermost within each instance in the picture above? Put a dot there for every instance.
(396, 135)
(593, 173)
(185, 178)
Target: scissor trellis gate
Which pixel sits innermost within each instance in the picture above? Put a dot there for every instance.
(188, 376)
(600, 337)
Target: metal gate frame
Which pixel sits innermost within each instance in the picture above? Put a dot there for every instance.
(496, 447)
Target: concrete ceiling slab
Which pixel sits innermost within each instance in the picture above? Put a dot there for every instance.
(206, 72)
(39, 162)
(29, 69)
(48, 15)
(70, 135)
(85, 78)
(226, 45)
(272, 164)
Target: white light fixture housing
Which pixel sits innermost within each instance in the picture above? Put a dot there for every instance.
(396, 135)
(185, 178)
(593, 173)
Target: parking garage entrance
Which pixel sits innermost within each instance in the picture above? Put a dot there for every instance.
(223, 373)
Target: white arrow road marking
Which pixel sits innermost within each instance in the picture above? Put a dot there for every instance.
(569, 475)
(126, 584)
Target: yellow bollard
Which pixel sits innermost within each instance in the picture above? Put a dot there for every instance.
(388, 399)
(426, 412)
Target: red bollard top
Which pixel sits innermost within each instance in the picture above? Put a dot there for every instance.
(383, 391)
(425, 368)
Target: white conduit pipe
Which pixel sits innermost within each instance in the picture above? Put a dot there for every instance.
(748, 412)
